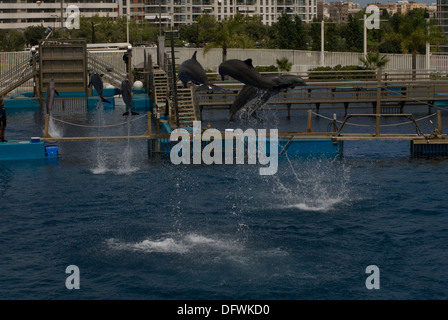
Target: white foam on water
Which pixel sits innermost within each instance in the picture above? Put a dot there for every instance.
(318, 205)
(183, 245)
(318, 186)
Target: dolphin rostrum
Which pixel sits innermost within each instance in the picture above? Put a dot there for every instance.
(192, 71)
(126, 94)
(248, 93)
(49, 99)
(244, 72)
(95, 80)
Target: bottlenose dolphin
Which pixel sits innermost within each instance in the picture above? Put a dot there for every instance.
(248, 93)
(126, 94)
(49, 99)
(95, 80)
(192, 70)
(244, 72)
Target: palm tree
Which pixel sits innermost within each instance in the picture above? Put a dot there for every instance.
(373, 61)
(226, 35)
(416, 31)
(284, 64)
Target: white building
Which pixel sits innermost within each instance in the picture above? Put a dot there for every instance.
(177, 12)
(19, 14)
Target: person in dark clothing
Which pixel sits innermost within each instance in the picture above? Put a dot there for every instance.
(3, 120)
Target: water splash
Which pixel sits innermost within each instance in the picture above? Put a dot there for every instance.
(125, 165)
(181, 245)
(101, 159)
(318, 185)
(54, 130)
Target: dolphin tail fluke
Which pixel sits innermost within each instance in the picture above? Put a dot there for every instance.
(125, 114)
(105, 100)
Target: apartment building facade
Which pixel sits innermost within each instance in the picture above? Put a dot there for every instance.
(177, 12)
(19, 14)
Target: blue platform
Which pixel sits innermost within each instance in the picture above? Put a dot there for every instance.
(20, 150)
(309, 147)
(25, 100)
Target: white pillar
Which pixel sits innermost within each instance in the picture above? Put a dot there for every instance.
(365, 36)
(428, 49)
(322, 43)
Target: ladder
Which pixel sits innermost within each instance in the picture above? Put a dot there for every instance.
(160, 89)
(186, 110)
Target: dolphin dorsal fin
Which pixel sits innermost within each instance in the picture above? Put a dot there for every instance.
(194, 55)
(248, 62)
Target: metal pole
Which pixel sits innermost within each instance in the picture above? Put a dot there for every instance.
(173, 68)
(127, 27)
(428, 61)
(378, 101)
(365, 36)
(160, 18)
(62, 17)
(322, 43)
(308, 124)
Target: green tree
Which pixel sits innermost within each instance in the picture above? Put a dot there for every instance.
(12, 41)
(315, 33)
(288, 33)
(354, 34)
(33, 35)
(300, 37)
(228, 34)
(415, 32)
(332, 37)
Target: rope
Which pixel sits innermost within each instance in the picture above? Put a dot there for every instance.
(371, 125)
(104, 126)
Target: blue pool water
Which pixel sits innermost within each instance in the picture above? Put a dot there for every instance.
(141, 229)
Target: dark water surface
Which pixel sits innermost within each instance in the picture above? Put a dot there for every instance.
(141, 229)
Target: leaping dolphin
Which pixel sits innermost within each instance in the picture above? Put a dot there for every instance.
(126, 94)
(192, 71)
(95, 80)
(244, 72)
(49, 99)
(248, 93)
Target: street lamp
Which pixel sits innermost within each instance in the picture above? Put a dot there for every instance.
(55, 16)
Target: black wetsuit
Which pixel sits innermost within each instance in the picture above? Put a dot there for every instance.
(3, 117)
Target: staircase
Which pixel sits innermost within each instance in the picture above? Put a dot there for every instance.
(160, 89)
(185, 106)
(109, 72)
(16, 76)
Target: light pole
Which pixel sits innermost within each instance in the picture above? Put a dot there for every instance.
(55, 16)
(322, 42)
(62, 16)
(127, 27)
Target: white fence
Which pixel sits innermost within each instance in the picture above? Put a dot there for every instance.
(301, 60)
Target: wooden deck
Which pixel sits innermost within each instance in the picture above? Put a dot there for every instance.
(392, 90)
